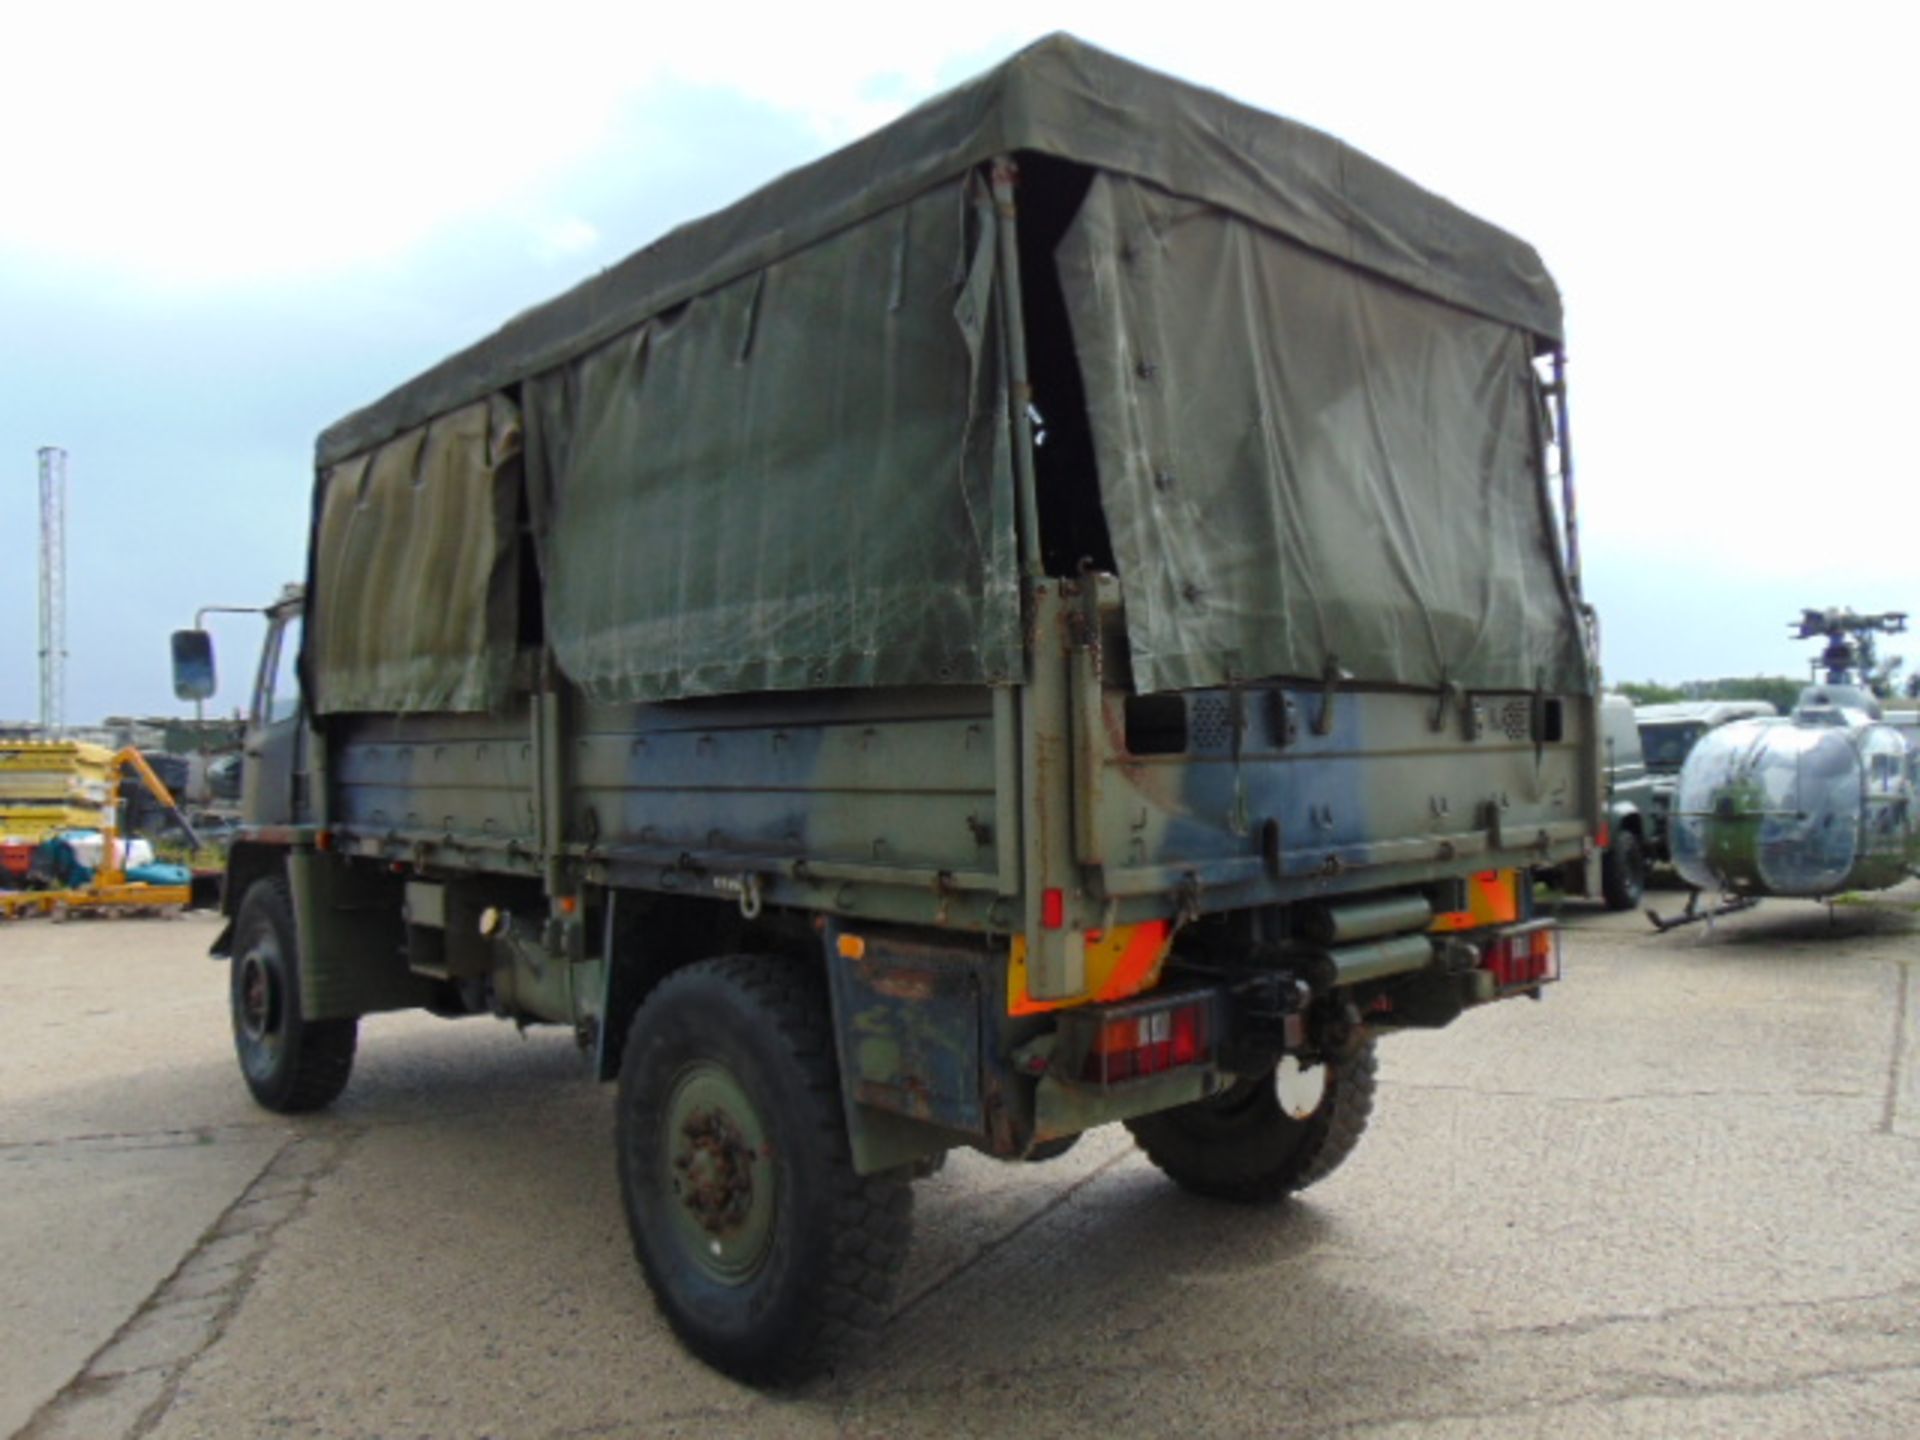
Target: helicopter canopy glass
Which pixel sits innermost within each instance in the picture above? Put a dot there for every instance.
(1776, 807)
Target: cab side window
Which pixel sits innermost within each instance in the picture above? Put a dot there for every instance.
(278, 695)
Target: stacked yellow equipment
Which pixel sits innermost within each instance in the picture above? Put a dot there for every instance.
(51, 785)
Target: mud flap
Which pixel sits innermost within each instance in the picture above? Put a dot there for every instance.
(907, 1029)
(353, 958)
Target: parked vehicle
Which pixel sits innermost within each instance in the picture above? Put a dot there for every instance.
(1045, 617)
(1617, 873)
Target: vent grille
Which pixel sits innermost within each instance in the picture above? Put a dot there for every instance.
(1208, 723)
(1516, 719)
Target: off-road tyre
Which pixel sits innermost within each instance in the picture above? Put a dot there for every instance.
(752, 1034)
(1242, 1146)
(291, 1064)
(1623, 871)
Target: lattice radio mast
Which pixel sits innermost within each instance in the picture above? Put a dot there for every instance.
(53, 590)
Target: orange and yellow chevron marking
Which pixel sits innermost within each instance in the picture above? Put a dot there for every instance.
(1493, 898)
(1121, 962)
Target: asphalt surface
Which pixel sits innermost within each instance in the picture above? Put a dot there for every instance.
(1681, 1196)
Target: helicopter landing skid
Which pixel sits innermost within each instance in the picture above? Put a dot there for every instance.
(1694, 915)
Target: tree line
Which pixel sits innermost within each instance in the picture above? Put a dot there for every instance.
(1780, 690)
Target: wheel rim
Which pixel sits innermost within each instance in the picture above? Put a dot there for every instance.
(260, 1007)
(720, 1169)
(258, 1001)
(1302, 1088)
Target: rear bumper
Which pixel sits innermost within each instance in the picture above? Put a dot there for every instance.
(1255, 1021)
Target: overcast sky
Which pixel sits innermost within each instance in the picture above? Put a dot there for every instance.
(223, 227)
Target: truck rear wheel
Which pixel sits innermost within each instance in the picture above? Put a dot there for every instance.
(1264, 1138)
(765, 1251)
(290, 1063)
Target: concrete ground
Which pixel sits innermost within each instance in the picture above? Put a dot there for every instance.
(1679, 1197)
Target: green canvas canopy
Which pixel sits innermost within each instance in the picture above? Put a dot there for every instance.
(1057, 97)
(774, 449)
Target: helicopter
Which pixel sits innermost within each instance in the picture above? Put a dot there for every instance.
(1812, 804)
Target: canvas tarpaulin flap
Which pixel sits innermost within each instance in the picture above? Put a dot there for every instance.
(1308, 470)
(414, 587)
(798, 480)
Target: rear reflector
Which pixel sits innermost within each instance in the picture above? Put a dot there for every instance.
(1149, 1042)
(1053, 909)
(1520, 962)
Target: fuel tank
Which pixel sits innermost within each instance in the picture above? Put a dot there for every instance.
(1813, 805)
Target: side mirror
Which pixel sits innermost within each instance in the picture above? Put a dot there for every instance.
(192, 664)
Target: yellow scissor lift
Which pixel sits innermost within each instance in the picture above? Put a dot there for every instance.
(109, 892)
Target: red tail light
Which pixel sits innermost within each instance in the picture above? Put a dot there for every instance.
(1520, 962)
(1148, 1042)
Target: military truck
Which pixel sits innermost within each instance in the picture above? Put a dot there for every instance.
(1055, 614)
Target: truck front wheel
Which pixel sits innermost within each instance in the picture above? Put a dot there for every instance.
(290, 1063)
(764, 1250)
(1623, 871)
(1263, 1138)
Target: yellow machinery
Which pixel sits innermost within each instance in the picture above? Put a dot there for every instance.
(109, 892)
(47, 786)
